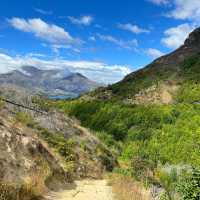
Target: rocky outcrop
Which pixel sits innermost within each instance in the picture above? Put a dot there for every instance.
(34, 146)
(24, 157)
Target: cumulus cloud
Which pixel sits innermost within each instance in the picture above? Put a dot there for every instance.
(186, 9)
(132, 28)
(154, 53)
(175, 36)
(129, 44)
(97, 71)
(84, 20)
(181, 9)
(47, 32)
(159, 2)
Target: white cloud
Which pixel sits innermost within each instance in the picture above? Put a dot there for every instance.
(186, 9)
(130, 44)
(35, 55)
(154, 53)
(175, 36)
(97, 71)
(44, 12)
(182, 9)
(47, 32)
(56, 48)
(84, 20)
(92, 38)
(159, 2)
(133, 28)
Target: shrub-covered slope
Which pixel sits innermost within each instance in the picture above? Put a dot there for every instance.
(157, 141)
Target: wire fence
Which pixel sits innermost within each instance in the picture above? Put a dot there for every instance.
(23, 106)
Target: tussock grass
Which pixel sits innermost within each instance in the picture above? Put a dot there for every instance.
(31, 188)
(125, 188)
(9, 191)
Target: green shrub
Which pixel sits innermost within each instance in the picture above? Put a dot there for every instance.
(189, 186)
(165, 133)
(189, 93)
(65, 147)
(191, 68)
(26, 119)
(168, 181)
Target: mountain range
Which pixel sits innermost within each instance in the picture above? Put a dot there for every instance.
(56, 83)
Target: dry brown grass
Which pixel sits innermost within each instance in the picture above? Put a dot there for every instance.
(32, 187)
(9, 191)
(125, 188)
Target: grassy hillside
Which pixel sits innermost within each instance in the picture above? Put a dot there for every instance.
(158, 144)
(160, 72)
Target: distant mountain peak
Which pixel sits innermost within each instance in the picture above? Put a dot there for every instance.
(80, 75)
(30, 69)
(50, 82)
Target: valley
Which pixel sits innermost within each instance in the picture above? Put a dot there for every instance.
(124, 133)
(157, 142)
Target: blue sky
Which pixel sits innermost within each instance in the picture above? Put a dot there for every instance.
(102, 39)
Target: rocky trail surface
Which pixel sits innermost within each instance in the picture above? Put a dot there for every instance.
(85, 190)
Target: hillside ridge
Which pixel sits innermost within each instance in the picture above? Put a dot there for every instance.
(164, 74)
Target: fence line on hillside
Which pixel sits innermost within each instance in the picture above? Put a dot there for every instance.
(22, 106)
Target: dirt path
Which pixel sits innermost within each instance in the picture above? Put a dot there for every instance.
(85, 190)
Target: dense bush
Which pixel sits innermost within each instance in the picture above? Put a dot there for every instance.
(189, 186)
(65, 147)
(165, 133)
(149, 136)
(191, 69)
(153, 135)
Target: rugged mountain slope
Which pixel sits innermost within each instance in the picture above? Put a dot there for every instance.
(54, 83)
(45, 151)
(27, 165)
(23, 153)
(158, 81)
